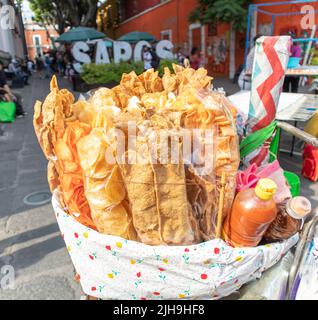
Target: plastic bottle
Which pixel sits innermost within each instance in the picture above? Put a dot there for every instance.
(289, 220)
(252, 213)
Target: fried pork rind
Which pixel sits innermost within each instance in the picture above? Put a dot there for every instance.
(155, 101)
(189, 78)
(169, 81)
(104, 97)
(58, 134)
(122, 97)
(132, 85)
(50, 118)
(52, 176)
(104, 187)
(71, 174)
(155, 203)
(151, 81)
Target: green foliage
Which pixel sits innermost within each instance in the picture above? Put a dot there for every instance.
(61, 13)
(112, 72)
(228, 11)
(164, 64)
(314, 61)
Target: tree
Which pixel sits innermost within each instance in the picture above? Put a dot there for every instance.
(65, 13)
(233, 12)
(228, 11)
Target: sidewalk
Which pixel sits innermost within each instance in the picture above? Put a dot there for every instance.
(30, 240)
(29, 237)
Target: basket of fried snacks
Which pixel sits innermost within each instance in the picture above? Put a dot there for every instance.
(137, 173)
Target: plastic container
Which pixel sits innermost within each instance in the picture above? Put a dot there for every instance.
(252, 213)
(290, 219)
(294, 183)
(293, 62)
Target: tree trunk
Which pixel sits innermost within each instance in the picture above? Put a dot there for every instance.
(232, 52)
(90, 16)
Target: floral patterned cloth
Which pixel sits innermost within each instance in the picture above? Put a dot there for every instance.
(114, 268)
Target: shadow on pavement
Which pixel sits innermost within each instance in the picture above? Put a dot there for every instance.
(28, 235)
(31, 255)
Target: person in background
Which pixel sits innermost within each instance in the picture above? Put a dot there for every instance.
(155, 60)
(47, 65)
(39, 62)
(291, 84)
(245, 77)
(30, 66)
(16, 69)
(9, 95)
(195, 59)
(180, 57)
(60, 63)
(147, 58)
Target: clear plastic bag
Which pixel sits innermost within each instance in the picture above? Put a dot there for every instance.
(152, 162)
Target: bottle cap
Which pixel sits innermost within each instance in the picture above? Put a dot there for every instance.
(266, 189)
(298, 207)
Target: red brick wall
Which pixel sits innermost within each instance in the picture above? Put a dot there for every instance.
(133, 7)
(174, 16)
(45, 41)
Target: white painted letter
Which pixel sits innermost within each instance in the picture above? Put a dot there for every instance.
(80, 56)
(102, 56)
(122, 51)
(138, 49)
(164, 49)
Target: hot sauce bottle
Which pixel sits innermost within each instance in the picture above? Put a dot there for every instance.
(252, 213)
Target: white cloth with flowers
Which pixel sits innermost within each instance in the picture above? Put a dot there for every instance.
(114, 268)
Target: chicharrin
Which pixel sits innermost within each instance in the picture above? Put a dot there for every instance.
(130, 311)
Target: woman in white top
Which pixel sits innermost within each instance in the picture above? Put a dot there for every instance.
(147, 58)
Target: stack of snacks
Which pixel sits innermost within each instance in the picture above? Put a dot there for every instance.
(58, 132)
(141, 181)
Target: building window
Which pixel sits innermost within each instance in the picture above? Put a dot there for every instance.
(37, 41)
(166, 35)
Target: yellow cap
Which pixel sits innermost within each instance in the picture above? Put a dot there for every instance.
(266, 189)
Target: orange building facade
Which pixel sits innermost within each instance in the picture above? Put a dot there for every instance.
(169, 19)
(39, 40)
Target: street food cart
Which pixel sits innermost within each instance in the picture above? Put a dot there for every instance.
(155, 231)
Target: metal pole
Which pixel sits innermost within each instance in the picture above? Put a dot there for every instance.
(248, 29)
(273, 25)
